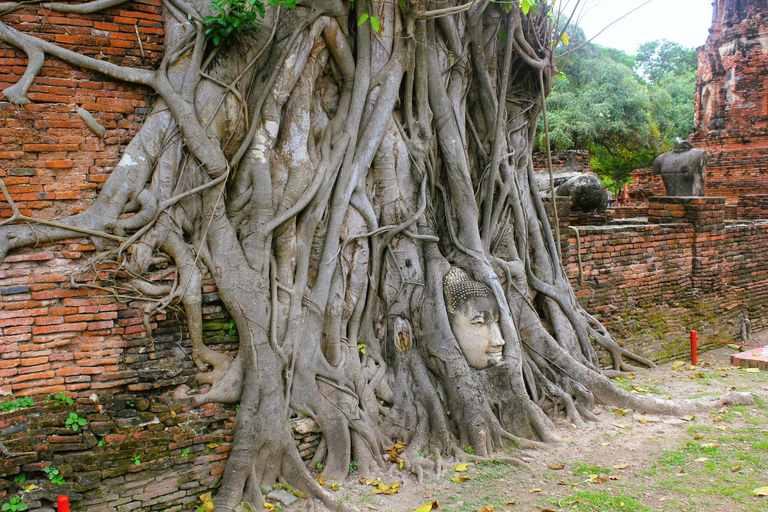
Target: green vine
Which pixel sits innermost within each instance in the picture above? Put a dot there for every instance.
(235, 16)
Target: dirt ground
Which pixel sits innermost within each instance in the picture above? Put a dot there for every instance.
(624, 462)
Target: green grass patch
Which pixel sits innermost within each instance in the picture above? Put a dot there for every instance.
(601, 502)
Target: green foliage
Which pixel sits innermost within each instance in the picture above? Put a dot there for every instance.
(353, 466)
(60, 398)
(14, 505)
(657, 59)
(20, 478)
(54, 475)
(233, 17)
(136, 460)
(375, 24)
(319, 466)
(75, 422)
(21, 403)
(469, 450)
(185, 453)
(102, 442)
(601, 104)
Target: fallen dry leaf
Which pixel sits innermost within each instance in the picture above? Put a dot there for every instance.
(702, 459)
(268, 506)
(735, 468)
(760, 491)
(427, 506)
(460, 479)
(604, 444)
(677, 365)
(710, 445)
(320, 479)
(615, 477)
(556, 467)
(718, 419)
(620, 466)
(622, 412)
(334, 486)
(488, 508)
(688, 417)
(460, 467)
(698, 436)
(690, 367)
(510, 502)
(752, 370)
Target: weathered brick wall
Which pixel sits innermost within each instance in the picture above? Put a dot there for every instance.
(52, 164)
(651, 283)
(575, 160)
(731, 111)
(644, 185)
(83, 343)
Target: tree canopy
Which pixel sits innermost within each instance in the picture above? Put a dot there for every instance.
(624, 109)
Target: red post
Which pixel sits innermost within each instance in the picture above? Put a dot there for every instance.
(694, 348)
(62, 504)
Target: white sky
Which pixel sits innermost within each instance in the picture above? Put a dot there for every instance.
(683, 21)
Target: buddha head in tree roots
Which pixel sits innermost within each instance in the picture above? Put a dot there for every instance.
(474, 317)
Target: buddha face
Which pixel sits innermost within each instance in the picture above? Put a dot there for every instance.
(476, 327)
(474, 318)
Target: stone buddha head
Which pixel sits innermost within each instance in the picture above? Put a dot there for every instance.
(474, 317)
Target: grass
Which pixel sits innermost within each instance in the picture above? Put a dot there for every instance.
(600, 501)
(584, 469)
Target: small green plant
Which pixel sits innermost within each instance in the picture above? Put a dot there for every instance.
(361, 346)
(136, 460)
(421, 453)
(21, 403)
(75, 422)
(20, 478)
(235, 16)
(130, 404)
(14, 505)
(353, 466)
(304, 414)
(469, 450)
(319, 466)
(102, 442)
(60, 398)
(185, 452)
(54, 475)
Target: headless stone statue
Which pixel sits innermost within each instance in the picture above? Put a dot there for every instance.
(683, 170)
(474, 318)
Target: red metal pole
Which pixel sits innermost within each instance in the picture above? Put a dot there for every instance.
(62, 504)
(694, 348)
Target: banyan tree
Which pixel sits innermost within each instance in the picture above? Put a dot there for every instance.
(356, 178)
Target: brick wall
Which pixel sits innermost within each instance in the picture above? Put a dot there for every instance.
(52, 164)
(683, 269)
(575, 160)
